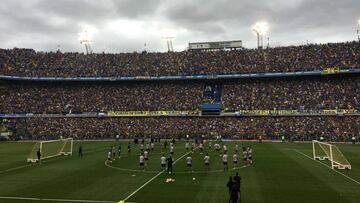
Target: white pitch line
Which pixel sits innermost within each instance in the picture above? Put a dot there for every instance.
(355, 181)
(151, 179)
(129, 170)
(15, 168)
(56, 200)
(22, 198)
(77, 200)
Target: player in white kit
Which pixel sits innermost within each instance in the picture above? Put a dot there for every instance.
(207, 161)
(225, 161)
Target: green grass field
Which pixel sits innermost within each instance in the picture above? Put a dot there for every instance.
(281, 172)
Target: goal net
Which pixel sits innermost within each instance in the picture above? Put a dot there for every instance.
(325, 151)
(51, 148)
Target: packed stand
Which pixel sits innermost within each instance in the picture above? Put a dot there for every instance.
(77, 98)
(293, 94)
(332, 128)
(27, 62)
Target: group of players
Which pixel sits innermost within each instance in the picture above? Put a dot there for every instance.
(167, 162)
(246, 150)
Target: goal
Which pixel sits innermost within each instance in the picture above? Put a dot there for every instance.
(325, 151)
(51, 148)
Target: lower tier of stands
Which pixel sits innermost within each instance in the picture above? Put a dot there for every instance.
(332, 128)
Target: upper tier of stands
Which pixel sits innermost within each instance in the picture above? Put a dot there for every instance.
(27, 62)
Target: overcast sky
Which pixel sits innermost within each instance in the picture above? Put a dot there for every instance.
(125, 25)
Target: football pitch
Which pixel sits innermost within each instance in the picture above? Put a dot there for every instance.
(281, 172)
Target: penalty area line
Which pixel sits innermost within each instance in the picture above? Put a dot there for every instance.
(338, 172)
(55, 200)
(151, 179)
(15, 168)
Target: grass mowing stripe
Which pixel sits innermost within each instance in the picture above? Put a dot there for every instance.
(157, 175)
(348, 177)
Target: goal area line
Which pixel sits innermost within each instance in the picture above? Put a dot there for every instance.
(338, 172)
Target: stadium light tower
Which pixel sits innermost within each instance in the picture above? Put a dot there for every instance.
(358, 29)
(85, 39)
(260, 29)
(169, 43)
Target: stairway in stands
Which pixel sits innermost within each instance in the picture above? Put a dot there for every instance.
(212, 99)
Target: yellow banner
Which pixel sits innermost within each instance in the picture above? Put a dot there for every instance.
(296, 112)
(151, 113)
(331, 70)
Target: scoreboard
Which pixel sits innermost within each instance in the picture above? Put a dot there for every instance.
(237, 44)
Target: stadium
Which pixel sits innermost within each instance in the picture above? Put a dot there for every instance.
(214, 122)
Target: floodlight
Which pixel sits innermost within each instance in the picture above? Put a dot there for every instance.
(261, 28)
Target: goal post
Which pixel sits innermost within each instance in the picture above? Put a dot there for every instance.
(325, 151)
(51, 148)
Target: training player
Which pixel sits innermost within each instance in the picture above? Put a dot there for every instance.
(249, 153)
(141, 147)
(245, 155)
(169, 165)
(207, 161)
(193, 146)
(109, 156)
(113, 153)
(189, 162)
(187, 146)
(217, 147)
(119, 150)
(171, 144)
(80, 151)
(201, 147)
(165, 144)
(172, 150)
(235, 159)
(38, 154)
(210, 145)
(225, 148)
(147, 147)
(152, 146)
(146, 156)
(129, 148)
(163, 161)
(225, 161)
(141, 161)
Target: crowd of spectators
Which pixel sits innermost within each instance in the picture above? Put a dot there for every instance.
(282, 94)
(293, 94)
(261, 94)
(332, 128)
(77, 98)
(27, 62)
(265, 94)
